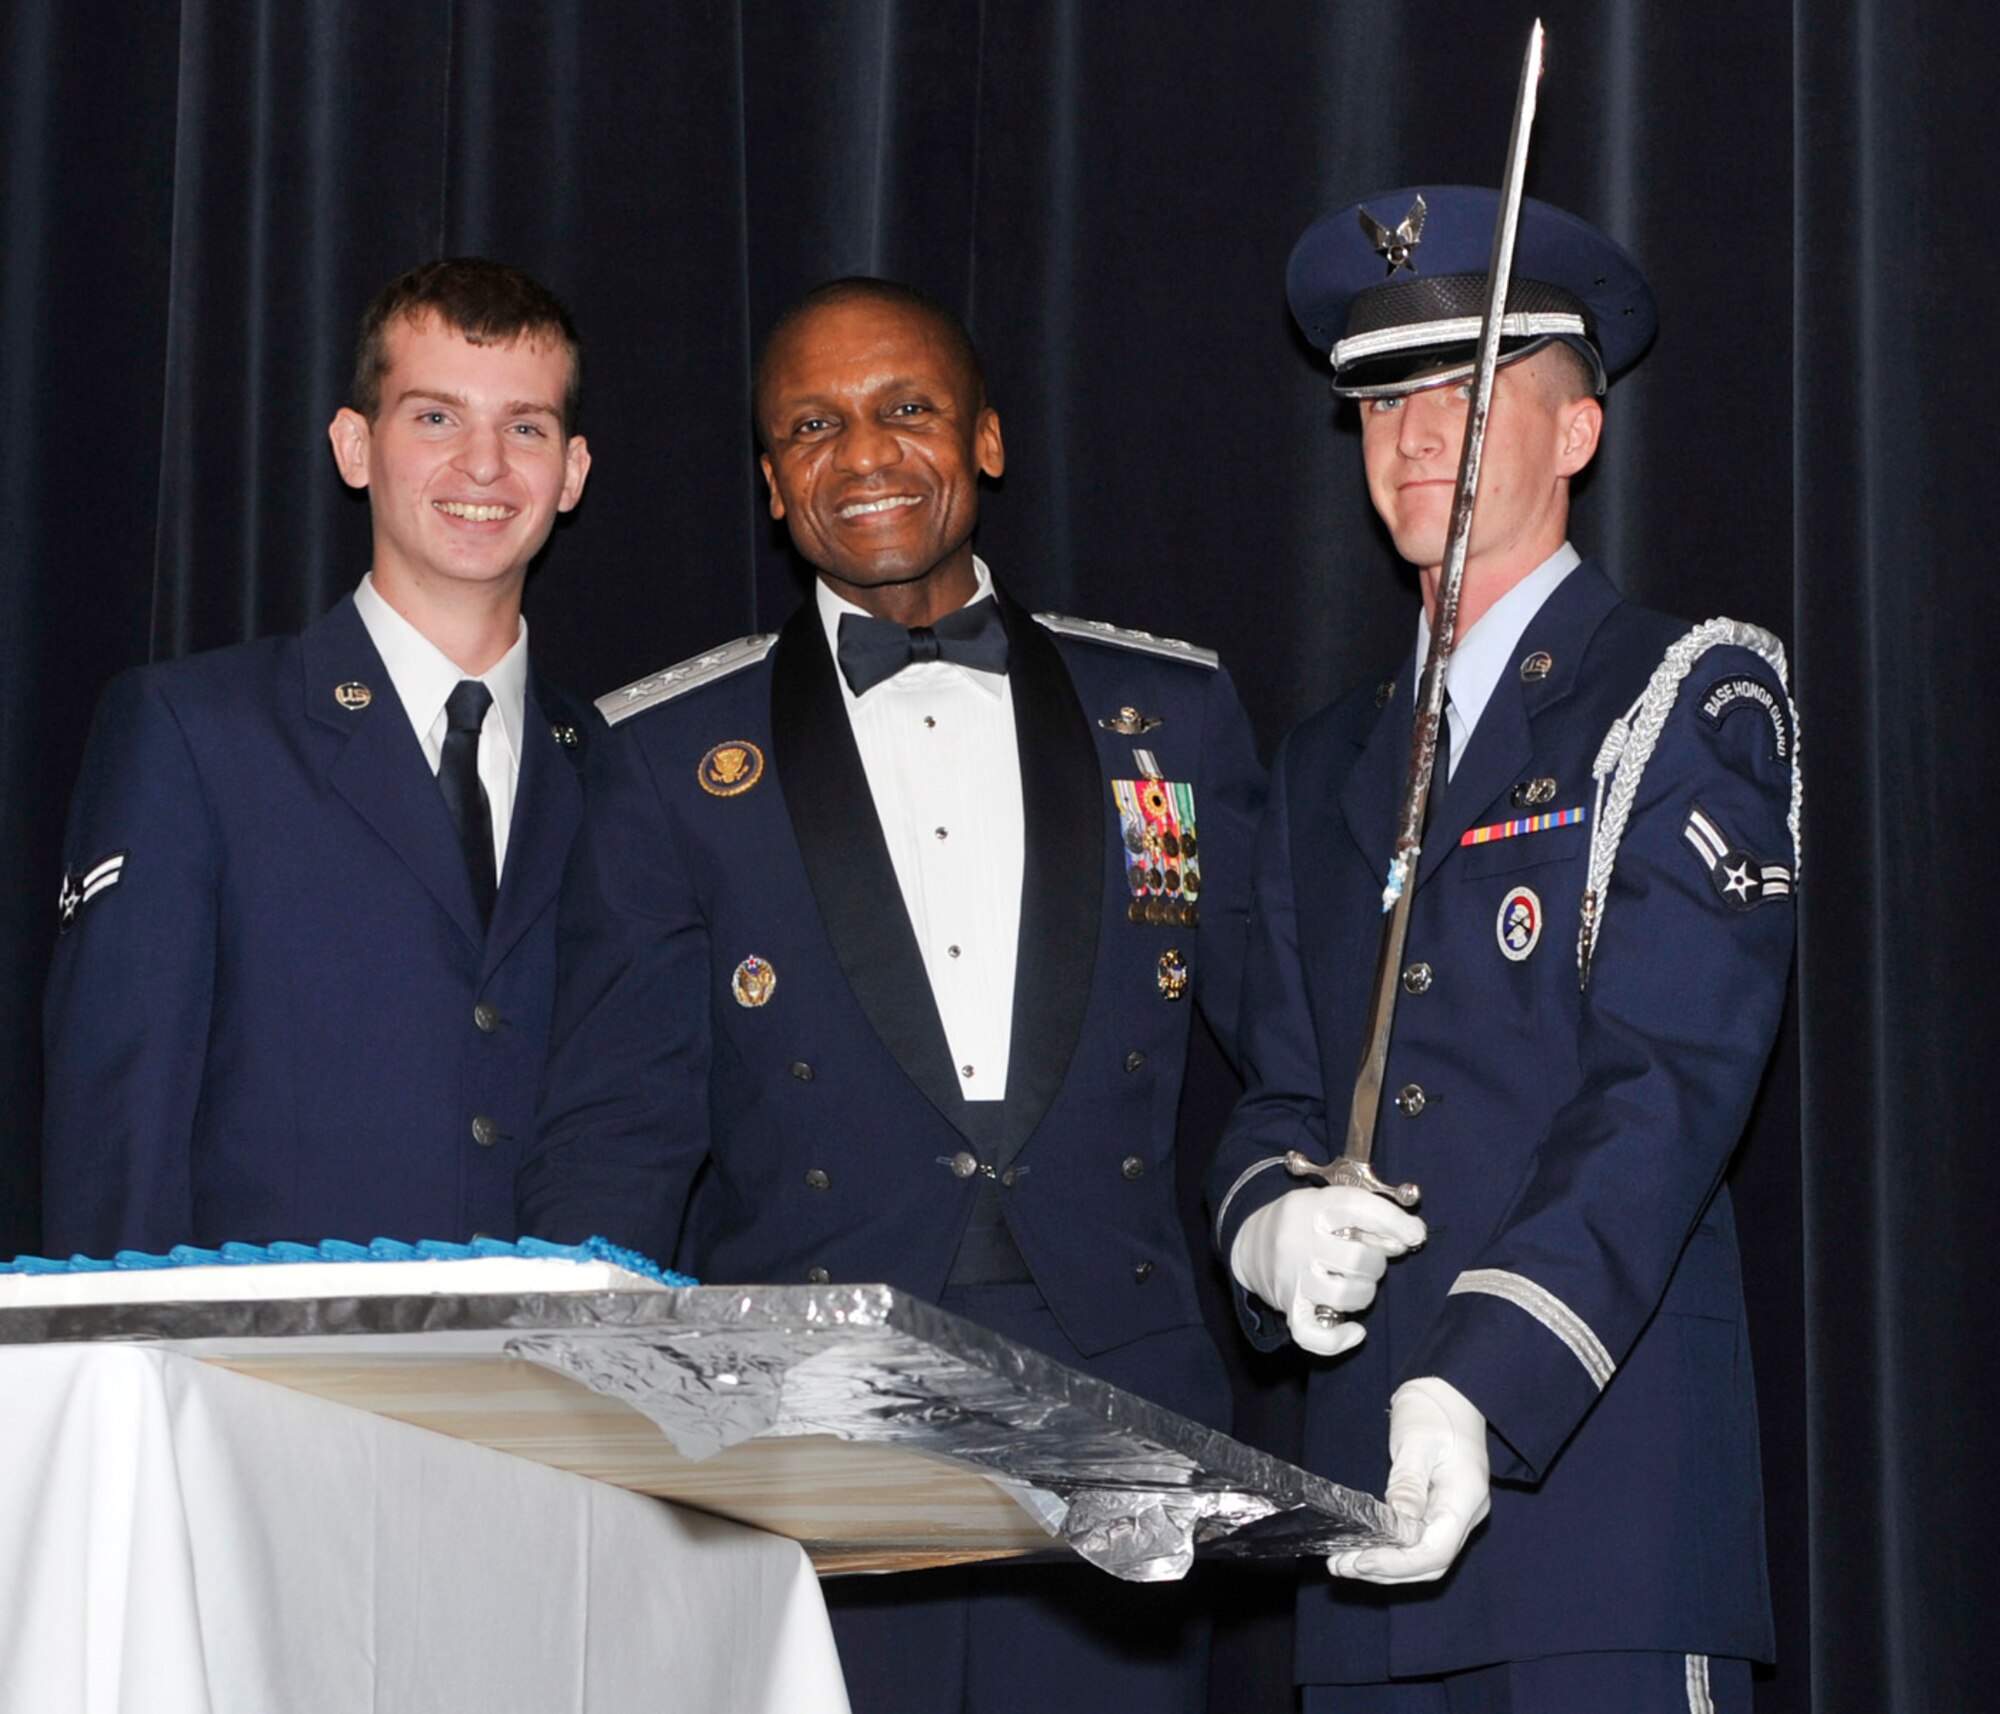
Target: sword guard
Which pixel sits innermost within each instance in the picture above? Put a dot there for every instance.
(1358, 1175)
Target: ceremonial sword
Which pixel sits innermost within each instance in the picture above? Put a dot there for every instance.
(1354, 1166)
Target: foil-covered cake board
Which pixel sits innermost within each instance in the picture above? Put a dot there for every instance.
(880, 1432)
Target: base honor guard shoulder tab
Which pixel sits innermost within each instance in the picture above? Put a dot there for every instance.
(1096, 631)
(644, 693)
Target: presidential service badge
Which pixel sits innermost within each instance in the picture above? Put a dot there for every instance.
(753, 982)
(1173, 974)
(1519, 924)
(731, 768)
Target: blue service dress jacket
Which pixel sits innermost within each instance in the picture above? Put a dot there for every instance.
(748, 1071)
(1581, 1282)
(279, 1017)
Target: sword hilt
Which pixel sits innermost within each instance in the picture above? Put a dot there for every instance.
(1358, 1175)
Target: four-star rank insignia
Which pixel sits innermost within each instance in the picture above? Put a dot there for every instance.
(731, 768)
(1396, 247)
(1741, 879)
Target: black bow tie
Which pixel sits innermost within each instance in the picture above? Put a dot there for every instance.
(872, 650)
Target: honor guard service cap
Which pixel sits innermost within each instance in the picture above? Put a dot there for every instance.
(1394, 287)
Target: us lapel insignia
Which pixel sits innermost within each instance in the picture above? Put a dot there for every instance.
(1173, 974)
(1532, 794)
(1537, 666)
(1156, 826)
(566, 736)
(353, 695)
(1383, 692)
(1519, 924)
(1128, 722)
(731, 768)
(753, 982)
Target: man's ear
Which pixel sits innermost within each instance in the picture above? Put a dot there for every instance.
(350, 434)
(576, 466)
(987, 443)
(1581, 425)
(770, 482)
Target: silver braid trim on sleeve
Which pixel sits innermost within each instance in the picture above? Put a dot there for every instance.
(1549, 1310)
(1628, 746)
(1242, 1178)
(1701, 1699)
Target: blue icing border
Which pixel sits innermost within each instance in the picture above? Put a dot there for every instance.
(341, 1250)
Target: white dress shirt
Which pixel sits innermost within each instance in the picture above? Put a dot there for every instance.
(1487, 650)
(937, 743)
(425, 677)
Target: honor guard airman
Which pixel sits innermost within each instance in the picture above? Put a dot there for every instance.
(1596, 960)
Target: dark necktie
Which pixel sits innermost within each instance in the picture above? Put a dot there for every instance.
(872, 650)
(1440, 763)
(464, 796)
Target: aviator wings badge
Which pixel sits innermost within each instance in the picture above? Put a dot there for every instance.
(1394, 247)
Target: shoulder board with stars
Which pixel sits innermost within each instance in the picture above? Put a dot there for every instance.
(644, 693)
(1096, 631)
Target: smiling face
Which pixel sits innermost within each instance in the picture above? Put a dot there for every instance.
(465, 462)
(1538, 435)
(876, 438)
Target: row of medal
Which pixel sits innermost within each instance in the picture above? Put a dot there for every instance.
(1162, 851)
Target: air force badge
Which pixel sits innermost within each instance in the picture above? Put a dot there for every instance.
(1518, 928)
(1395, 247)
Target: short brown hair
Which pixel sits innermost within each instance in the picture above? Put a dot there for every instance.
(488, 302)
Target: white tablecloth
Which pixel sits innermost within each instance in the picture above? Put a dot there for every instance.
(178, 1539)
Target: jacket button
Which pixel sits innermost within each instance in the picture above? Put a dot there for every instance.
(1411, 1099)
(1142, 1273)
(802, 1071)
(1417, 979)
(486, 1018)
(1010, 1177)
(1134, 1060)
(963, 1164)
(484, 1132)
(817, 1276)
(1133, 1167)
(816, 1179)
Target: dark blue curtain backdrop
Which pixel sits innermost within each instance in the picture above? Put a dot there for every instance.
(197, 199)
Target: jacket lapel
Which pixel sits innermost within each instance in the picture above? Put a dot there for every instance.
(1372, 795)
(548, 804)
(380, 768)
(1502, 752)
(1064, 806)
(847, 860)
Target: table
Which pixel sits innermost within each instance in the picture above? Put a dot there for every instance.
(177, 1537)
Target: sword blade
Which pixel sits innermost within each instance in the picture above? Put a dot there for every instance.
(1353, 1167)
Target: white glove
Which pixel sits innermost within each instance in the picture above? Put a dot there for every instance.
(1437, 1475)
(1315, 1255)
